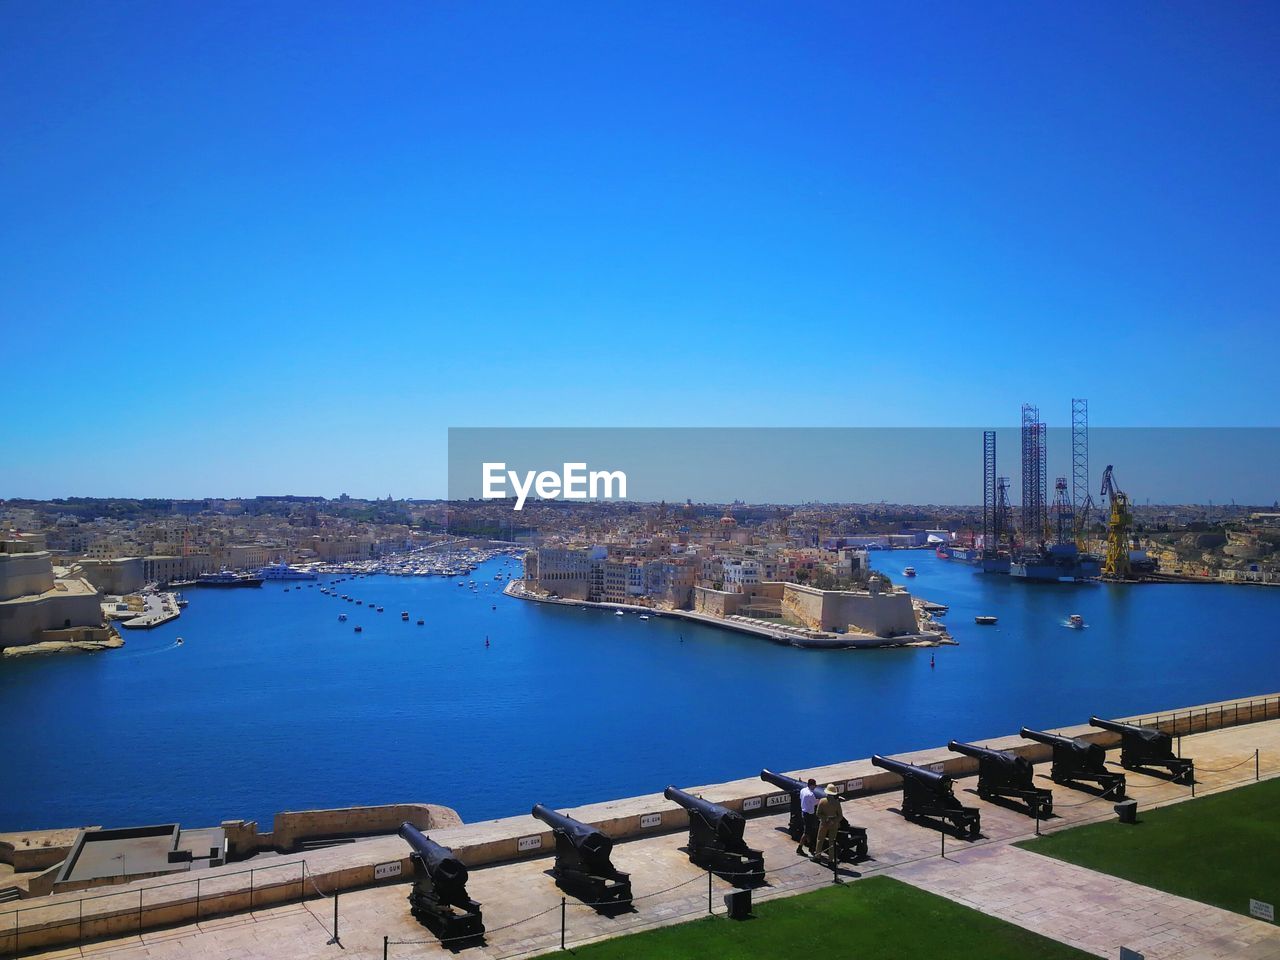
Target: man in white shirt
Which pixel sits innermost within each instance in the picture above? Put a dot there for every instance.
(810, 794)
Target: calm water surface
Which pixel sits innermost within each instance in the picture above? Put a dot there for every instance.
(272, 704)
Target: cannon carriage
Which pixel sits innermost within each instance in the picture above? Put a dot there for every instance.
(1002, 773)
(716, 840)
(439, 896)
(584, 867)
(851, 841)
(1076, 760)
(1148, 747)
(927, 793)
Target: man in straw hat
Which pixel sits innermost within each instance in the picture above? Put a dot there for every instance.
(829, 817)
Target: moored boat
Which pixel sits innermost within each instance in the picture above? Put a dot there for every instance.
(225, 578)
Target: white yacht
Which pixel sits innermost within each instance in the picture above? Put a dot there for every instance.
(282, 571)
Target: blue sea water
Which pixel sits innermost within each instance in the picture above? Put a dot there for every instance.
(272, 704)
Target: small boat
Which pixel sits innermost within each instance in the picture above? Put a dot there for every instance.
(644, 616)
(404, 615)
(178, 642)
(985, 621)
(1076, 622)
(359, 629)
(342, 618)
(494, 607)
(421, 622)
(619, 613)
(379, 609)
(908, 571)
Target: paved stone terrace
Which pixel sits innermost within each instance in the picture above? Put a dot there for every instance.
(1093, 911)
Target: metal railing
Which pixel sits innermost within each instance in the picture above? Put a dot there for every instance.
(1203, 719)
(694, 905)
(204, 905)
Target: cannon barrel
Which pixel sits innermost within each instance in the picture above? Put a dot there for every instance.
(983, 753)
(909, 771)
(1079, 748)
(439, 861)
(1145, 733)
(727, 824)
(1053, 739)
(582, 835)
(782, 781)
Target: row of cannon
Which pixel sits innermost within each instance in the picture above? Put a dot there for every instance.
(584, 868)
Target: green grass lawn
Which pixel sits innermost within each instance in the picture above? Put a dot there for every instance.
(873, 919)
(1222, 849)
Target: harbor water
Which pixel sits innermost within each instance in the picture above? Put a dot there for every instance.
(272, 703)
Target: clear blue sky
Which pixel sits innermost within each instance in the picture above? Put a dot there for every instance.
(281, 247)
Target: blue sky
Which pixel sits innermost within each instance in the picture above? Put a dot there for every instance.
(277, 247)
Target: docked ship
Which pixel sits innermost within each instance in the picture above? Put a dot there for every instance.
(989, 562)
(1055, 563)
(225, 578)
(282, 571)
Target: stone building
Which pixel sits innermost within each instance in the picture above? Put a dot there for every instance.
(35, 605)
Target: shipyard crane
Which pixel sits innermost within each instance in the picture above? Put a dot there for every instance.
(1119, 524)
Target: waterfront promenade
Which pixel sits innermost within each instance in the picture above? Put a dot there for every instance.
(1095, 912)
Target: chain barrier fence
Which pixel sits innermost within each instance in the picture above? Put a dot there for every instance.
(130, 916)
(866, 868)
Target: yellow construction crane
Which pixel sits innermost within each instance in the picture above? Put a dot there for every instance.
(1119, 525)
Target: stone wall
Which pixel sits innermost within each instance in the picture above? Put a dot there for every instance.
(291, 828)
(23, 621)
(24, 574)
(856, 611)
(119, 576)
(234, 889)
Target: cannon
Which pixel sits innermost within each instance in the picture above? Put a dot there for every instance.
(1076, 760)
(1148, 747)
(583, 867)
(851, 841)
(715, 840)
(1002, 773)
(439, 895)
(926, 793)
